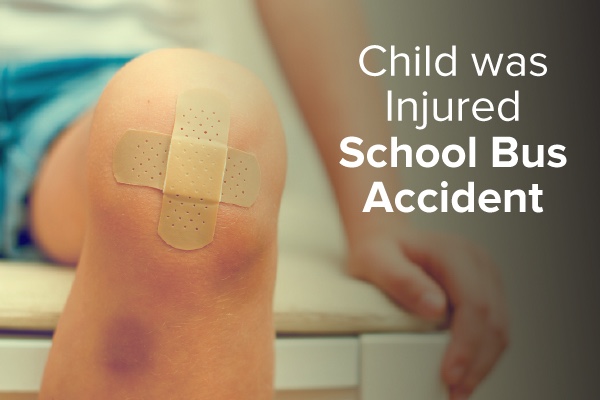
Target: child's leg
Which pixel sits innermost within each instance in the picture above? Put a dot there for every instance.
(145, 320)
(58, 202)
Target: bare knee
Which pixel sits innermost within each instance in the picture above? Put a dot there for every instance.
(143, 96)
(200, 319)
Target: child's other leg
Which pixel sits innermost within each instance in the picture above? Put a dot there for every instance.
(145, 320)
(58, 202)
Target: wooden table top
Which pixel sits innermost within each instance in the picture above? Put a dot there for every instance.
(313, 296)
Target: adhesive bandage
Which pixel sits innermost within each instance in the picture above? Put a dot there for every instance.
(193, 167)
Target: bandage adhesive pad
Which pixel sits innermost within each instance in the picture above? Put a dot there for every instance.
(193, 167)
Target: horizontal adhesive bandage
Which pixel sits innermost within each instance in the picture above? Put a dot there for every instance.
(194, 168)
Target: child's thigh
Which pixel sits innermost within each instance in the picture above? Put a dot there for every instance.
(57, 207)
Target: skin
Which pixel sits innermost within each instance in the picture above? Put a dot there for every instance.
(143, 319)
(429, 273)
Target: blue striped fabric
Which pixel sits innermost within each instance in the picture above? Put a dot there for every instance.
(38, 99)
